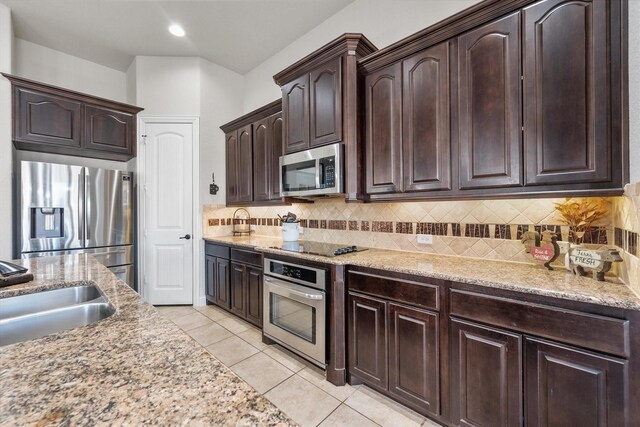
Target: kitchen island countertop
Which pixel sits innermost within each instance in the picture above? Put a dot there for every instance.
(521, 277)
(132, 368)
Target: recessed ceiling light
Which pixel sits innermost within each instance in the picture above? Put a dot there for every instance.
(176, 30)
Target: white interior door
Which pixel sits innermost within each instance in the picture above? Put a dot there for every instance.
(168, 230)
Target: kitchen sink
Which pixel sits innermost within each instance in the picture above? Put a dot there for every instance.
(35, 315)
(47, 300)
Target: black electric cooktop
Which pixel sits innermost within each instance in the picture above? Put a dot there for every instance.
(318, 248)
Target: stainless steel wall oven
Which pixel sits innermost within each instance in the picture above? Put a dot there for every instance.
(295, 308)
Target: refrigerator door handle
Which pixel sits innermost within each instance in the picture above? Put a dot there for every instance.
(81, 200)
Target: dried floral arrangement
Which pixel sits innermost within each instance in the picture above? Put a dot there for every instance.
(580, 214)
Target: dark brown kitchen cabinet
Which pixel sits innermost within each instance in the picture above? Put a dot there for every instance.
(368, 339)
(383, 132)
(414, 355)
(254, 295)
(486, 375)
(489, 124)
(221, 285)
(47, 119)
(238, 287)
(570, 386)
(295, 111)
(407, 135)
(320, 104)
(234, 281)
(426, 136)
(239, 161)
(108, 130)
(50, 119)
(325, 103)
(217, 275)
(267, 149)
(394, 338)
(566, 92)
(253, 150)
(536, 104)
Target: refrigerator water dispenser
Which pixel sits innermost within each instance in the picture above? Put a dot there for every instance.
(47, 222)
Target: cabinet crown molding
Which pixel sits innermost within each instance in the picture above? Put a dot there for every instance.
(349, 43)
(259, 113)
(21, 82)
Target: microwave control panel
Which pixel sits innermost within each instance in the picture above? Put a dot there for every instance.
(328, 172)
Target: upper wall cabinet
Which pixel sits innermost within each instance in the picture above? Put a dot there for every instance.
(320, 103)
(569, 90)
(513, 98)
(253, 148)
(408, 144)
(54, 120)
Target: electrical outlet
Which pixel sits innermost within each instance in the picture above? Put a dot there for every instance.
(425, 239)
(564, 247)
(301, 230)
(252, 227)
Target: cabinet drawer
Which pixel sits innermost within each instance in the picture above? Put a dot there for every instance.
(216, 250)
(591, 331)
(247, 257)
(406, 291)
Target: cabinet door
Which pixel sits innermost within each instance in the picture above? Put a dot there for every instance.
(210, 277)
(414, 372)
(489, 127)
(232, 166)
(426, 141)
(245, 164)
(569, 386)
(275, 145)
(238, 289)
(368, 340)
(46, 119)
(295, 112)
(566, 86)
(108, 130)
(254, 295)
(261, 161)
(325, 98)
(383, 109)
(486, 376)
(221, 287)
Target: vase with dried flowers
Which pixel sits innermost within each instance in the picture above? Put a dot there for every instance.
(579, 215)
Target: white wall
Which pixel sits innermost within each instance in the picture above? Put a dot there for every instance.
(634, 90)
(221, 102)
(6, 54)
(132, 86)
(60, 69)
(382, 21)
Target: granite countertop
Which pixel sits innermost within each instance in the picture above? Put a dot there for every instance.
(132, 368)
(529, 278)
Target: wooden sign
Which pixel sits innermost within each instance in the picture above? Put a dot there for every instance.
(541, 247)
(598, 261)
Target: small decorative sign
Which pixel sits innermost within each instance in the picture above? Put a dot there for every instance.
(541, 247)
(598, 261)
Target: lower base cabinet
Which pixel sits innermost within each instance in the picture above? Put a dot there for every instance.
(234, 281)
(569, 386)
(465, 355)
(486, 375)
(394, 346)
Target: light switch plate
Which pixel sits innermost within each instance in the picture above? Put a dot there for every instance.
(425, 239)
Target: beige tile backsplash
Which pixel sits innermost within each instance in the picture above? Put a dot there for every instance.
(511, 213)
(626, 221)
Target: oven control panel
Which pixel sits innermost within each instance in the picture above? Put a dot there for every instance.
(308, 276)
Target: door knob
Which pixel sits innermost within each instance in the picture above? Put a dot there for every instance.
(186, 236)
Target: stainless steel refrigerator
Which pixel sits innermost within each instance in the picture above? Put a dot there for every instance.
(64, 209)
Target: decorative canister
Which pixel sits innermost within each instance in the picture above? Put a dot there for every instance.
(290, 231)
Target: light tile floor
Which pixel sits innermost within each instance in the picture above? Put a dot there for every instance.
(294, 385)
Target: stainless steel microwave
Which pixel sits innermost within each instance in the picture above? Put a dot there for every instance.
(313, 172)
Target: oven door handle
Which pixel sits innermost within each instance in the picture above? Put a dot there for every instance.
(287, 290)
